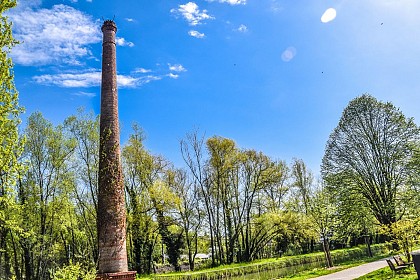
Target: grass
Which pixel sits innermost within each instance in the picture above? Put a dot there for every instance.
(386, 273)
(310, 273)
(313, 272)
(269, 261)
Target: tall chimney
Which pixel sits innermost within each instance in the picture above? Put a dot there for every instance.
(111, 215)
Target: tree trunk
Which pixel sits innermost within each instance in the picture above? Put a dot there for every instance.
(29, 271)
(327, 253)
(367, 241)
(16, 261)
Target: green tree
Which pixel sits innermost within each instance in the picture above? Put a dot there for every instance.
(323, 213)
(275, 194)
(302, 182)
(141, 171)
(355, 220)
(293, 231)
(240, 190)
(258, 173)
(222, 168)
(301, 193)
(189, 211)
(172, 234)
(10, 146)
(194, 155)
(369, 153)
(45, 197)
(84, 128)
(405, 234)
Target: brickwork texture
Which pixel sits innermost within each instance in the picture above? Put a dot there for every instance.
(111, 219)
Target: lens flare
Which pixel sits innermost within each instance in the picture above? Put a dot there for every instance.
(329, 15)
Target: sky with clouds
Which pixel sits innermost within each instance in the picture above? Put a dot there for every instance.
(273, 75)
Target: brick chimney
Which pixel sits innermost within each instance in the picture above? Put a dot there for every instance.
(111, 215)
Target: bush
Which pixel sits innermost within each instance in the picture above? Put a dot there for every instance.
(74, 272)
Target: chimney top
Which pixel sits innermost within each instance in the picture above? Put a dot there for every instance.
(109, 25)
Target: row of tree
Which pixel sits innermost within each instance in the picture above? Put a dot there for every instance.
(234, 204)
(231, 204)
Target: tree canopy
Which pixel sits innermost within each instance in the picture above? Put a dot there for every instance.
(9, 107)
(369, 153)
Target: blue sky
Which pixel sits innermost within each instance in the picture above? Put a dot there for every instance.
(269, 74)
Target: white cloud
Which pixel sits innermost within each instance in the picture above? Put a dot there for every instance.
(275, 6)
(23, 4)
(177, 68)
(192, 13)
(142, 70)
(71, 80)
(231, 2)
(122, 42)
(61, 34)
(196, 34)
(83, 93)
(148, 79)
(242, 28)
(92, 78)
(328, 15)
(288, 54)
(129, 19)
(83, 80)
(173, 76)
(127, 81)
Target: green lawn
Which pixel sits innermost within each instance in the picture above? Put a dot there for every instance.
(386, 273)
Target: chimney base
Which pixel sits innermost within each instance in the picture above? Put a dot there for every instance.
(129, 275)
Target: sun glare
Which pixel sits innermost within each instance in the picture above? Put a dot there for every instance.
(329, 15)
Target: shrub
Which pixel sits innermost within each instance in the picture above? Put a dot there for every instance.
(74, 272)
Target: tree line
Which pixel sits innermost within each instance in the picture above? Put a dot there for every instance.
(234, 204)
(229, 203)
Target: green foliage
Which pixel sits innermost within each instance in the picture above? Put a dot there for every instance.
(323, 212)
(84, 128)
(405, 234)
(48, 215)
(74, 272)
(302, 182)
(324, 216)
(10, 146)
(9, 107)
(141, 171)
(172, 235)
